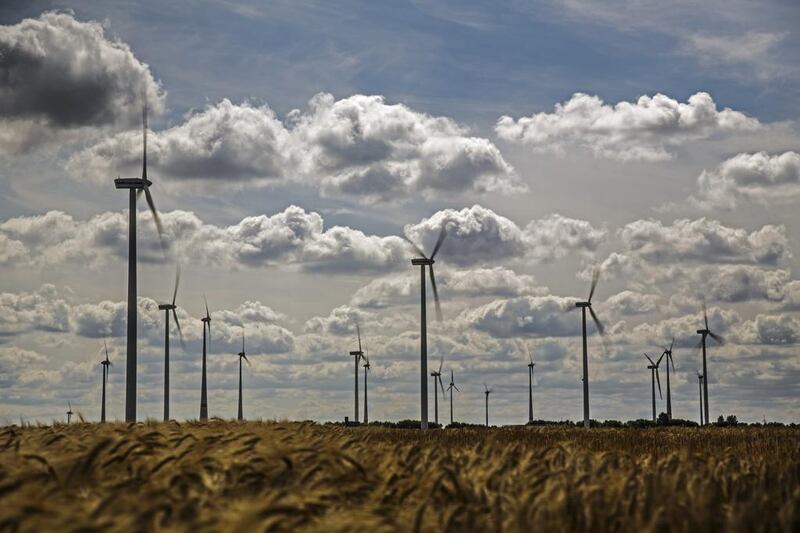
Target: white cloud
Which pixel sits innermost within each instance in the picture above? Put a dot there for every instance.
(528, 316)
(643, 130)
(62, 78)
(703, 240)
(357, 147)
(631, 303)
(758, 177)
(753, 49)
(770, 329)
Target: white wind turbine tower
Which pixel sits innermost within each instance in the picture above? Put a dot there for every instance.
(422, 262)
(588, 305)
(358, 356)
(167, 308)
(437, 376)
(450, 390)
(135, 187)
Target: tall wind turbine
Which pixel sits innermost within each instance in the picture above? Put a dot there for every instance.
(358, 355)
(366, 366)
(584, 306)
(487, 392)
(69, 412)
(669, 361)
(705, 332)
(106, 366)
(241, 356)
(653, 367)
(167, 308)
(135, 186)
(206, 320)
(700, 386)
(422, 262)
(450, 389)
(437, 376)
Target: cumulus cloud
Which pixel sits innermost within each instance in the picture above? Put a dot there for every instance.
(643, 130)
(46, 309)
(293, 236)
(527, 316)
(358, 146)
(758, 177)
(631, 303)
(703, 240)
(479, 282)
(61, 76)
(479, 235)
(738, 283)
(770, 329)
(16, 363)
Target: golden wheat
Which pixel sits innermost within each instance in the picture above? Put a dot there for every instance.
(255, 476)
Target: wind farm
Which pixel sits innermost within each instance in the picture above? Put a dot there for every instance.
(582, 191)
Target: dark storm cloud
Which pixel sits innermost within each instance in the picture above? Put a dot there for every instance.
(58, 74)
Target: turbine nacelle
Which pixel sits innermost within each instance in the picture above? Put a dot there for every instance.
(132, 183)
(703, 332)
(422, 261)
(583, 304)
(167, 307)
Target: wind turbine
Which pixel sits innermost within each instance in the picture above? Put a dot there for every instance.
(69, 412)
(531, 364)
(106, 364)
(206, 320)
(705, 332)
(167, 308)
(668, 353)
(653, 367)
(588, 305)
(358, 355)
(135, 186)
(700, 386)
(366, 371)
(422, 262)
(437, 376)
(450, 388)
(487, 392)
(241, 356)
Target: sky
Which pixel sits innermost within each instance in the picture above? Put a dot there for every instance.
(294, 145)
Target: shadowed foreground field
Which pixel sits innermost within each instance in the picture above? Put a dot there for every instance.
(300, 476)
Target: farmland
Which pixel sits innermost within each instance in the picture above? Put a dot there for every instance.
(246, 476)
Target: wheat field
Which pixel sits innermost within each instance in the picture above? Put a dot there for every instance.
(274, 476)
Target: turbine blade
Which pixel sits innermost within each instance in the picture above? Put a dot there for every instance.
(243, 341)
(206, 302)
(439, 241)
(705, 312)
(156, 218)
(670, 346)
(595, 279)
(178, 325)
(435, 294)
(144, 136)
(658, 380)
(441, 384)
(659, 359)
(246, 359)
(651, 361)
(416, 248)
(716, 337)
(358, 332)
(455, 387)
(106, 347)
(441, 362)
(600, 328)
(177, 282)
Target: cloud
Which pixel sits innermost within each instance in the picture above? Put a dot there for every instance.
(62, 77)
(359, 147)
(753, 49)
(529, 316)
(738, 283)
(46, 309)
(758, 177)
(770, 329)
(17, 363)
(479, 282)
(643, 130)
(703, 240)
(478, 235)
(631, 303)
